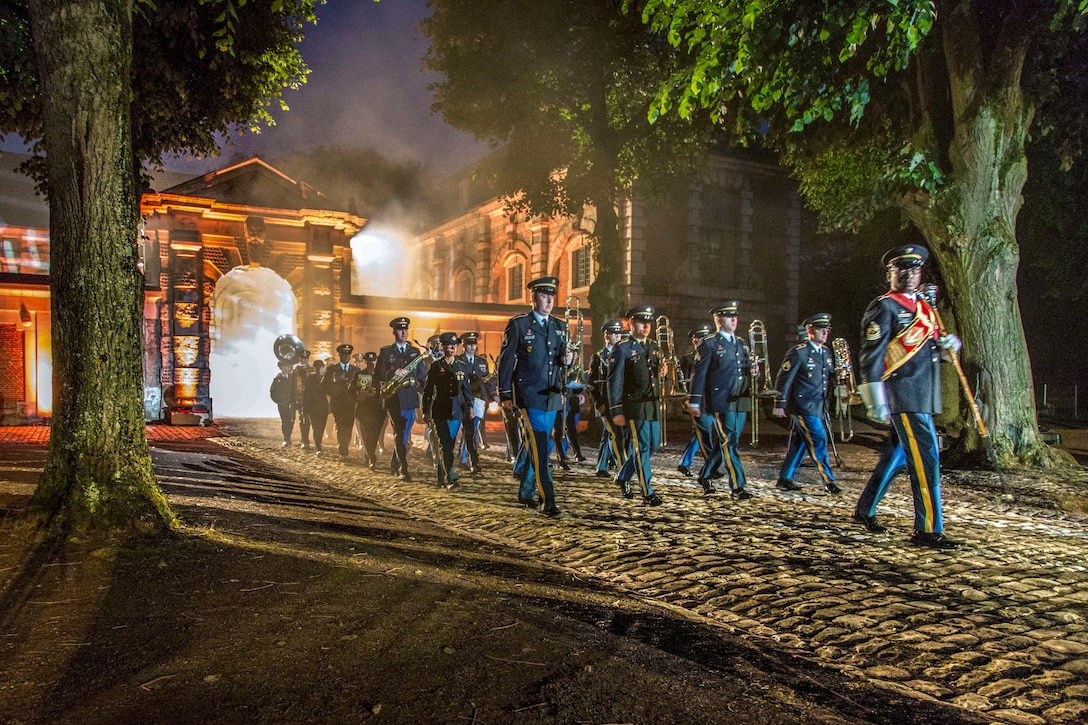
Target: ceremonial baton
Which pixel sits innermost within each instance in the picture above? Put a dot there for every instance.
(930, 291)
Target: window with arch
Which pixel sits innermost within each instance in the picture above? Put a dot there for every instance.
(581, 267)
(515, 282)
(464, 287)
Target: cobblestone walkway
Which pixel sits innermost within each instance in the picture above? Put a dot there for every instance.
(1000, 626)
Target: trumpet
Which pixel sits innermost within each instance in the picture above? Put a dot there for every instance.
(760, 373)
(844, 389)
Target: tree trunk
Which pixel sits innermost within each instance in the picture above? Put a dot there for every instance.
(606, 291)
(98, 472)
(970, 226)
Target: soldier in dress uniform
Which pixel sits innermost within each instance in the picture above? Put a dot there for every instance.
(634, 394)
(720, 387)
(900, 383)
(701, 428)
(369, 413)
(804, 384)
(398, 362)
(447, 401)
(340, 384)
(316, 403)
(611, 451)
(484, 390)
(298, 378)
(282, 392)
(532, 372)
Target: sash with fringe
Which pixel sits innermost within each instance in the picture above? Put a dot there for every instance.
(911, 339)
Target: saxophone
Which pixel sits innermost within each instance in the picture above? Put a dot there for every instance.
(395, 383)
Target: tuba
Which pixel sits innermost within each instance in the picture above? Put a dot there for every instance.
(288, 349)
(760, 373)
(844, 388)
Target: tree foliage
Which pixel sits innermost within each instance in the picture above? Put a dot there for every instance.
(201, 71)
(563, 86)
(921, 105)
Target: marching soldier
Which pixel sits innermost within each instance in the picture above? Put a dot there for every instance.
(369, 413)
(447, 401)
(282, 392)
(899, 361)
(612, 449)
(298, 379)
(803, 384)
(720, 386)
(634, 392)
(316, 403)
(339, 384)
(484, 390)
(701, 429)
(532, 371)
(400, 367)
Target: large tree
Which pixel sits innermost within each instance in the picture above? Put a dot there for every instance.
(69, 81)
(923, 105)
(562, 85)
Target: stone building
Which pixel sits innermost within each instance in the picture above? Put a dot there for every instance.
(236, 257)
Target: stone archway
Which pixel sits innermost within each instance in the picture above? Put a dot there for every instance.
(250, 308)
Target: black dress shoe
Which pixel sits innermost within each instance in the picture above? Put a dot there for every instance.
(832, 489)
(740, 494)
(652, 500)
(580, 458)
(625, 488)
(474, 469)
(564, 464)
(405, 477)
(934, 540)
(452, 484)
(684, 470)
(785, 484)
(869, 522)
(708, 488)
(603, 474)
(531, 503)
(553, 512)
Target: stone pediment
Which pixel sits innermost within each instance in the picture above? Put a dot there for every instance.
(255, 183)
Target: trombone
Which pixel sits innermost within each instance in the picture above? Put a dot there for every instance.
(760, 373)
(844, 390)
(573, 314)
(668, 375)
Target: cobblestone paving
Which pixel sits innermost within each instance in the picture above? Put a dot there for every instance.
(998, 627)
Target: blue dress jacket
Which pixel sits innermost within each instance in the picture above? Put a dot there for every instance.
(389, 361)
(721, 380)
(804, 380)
(532, 362)
(915, 386)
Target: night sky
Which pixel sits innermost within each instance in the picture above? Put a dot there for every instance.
(366, 89)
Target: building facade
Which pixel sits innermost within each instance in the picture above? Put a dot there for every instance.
(237, 257)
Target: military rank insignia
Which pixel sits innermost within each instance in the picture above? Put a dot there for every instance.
(872, 332)
(786, 366)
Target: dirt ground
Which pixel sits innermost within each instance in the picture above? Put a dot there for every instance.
(284, 600)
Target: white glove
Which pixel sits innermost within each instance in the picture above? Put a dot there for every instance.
(950, 342)
(875, 398)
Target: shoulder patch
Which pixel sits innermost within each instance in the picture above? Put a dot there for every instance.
(872, 332)
(786, 366)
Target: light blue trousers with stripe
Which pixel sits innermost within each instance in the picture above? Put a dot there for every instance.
(912, 442)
